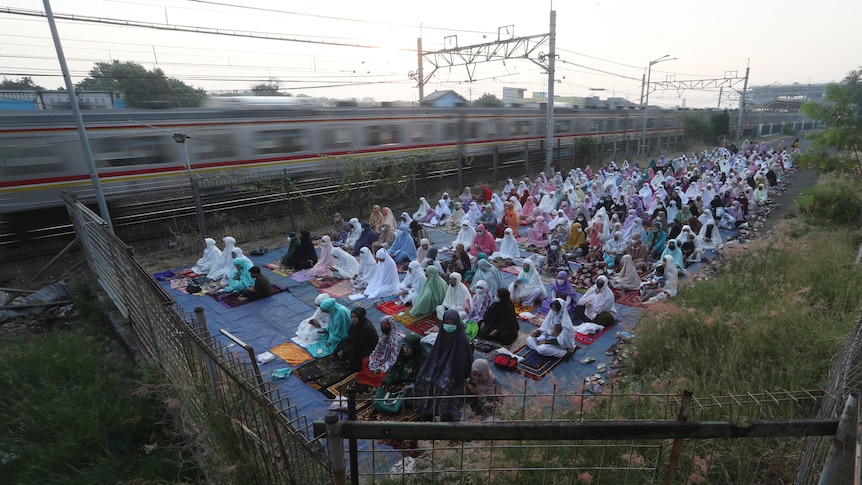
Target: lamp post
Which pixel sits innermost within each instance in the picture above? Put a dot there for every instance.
(202, 223)
(646, 99)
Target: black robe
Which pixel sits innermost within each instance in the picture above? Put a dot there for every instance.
(500, 317)
(359, 343)
(304, 257)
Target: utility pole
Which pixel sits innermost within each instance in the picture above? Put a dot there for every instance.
(742, 105)
(549, 123)
(419, 71)
(79, 121)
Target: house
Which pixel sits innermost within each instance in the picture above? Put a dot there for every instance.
(444, 99)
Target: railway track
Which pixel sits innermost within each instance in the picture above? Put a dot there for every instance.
(156, 216)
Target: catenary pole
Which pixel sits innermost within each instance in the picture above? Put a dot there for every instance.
(549, 122)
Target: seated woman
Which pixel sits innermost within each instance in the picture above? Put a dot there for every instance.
(500, 323)
(387, 236)
(483, 242)
(240, 278)
(339, 324)
(593, 266)
(556, 336)
(654, 284)
(456, 295)
(345, 266)
(442, 376)
(509, 248)
(360, 341)
(479, 303)
(487, 272)
(366, 239)
(432, 293)
(305, 256)
(381, 359)
(375, 220)
(310, 329)
(221, 270)
(403, 248)
(465, 236)
(538, 234)
(431, 260)
(211, 257)
(555, 259)
(562, 288)
(339, 230)
(627, 277)
(385, 280)
(457, 216)
(656, 239)
(402, 374)
(354, 230)
(597, 305)
(670, 284)
(484, 390)
(459, 264)
(528, 288)
(292, 248)
(576, 242)
(367, 267)
(412, 284)
(325, 262)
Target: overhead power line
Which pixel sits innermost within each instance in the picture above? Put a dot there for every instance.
(180, 28)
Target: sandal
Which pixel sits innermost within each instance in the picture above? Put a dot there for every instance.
(601, 367)
(588, 360)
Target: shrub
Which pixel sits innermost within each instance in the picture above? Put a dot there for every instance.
(836, 201)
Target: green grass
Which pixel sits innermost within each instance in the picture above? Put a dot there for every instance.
(771, 318)
(71, 416)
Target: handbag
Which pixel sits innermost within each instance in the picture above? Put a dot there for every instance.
(505, 361)
(388, 402)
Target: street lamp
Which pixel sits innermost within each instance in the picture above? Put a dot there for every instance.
(202, 223)
(646, 102)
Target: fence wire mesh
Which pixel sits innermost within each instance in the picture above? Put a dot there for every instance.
(246, 427)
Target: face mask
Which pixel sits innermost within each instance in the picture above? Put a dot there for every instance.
(479, 232)
(385, 330)
(289, 239)
(526, 269)
(323, 244)
(449, 328)
(497, 299)
(481, 291)
(554, 248)
(561, 281)
(453, 283)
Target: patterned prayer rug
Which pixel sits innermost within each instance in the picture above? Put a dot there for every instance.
(630, 298)
(422, 325)
(588, 339)
(291, 353)
(534, 365)
(392, 307)
(278, 268)
(323, 372)
(338, 290)
(302, 276)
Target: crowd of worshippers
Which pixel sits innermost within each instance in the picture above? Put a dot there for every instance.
(623, 227)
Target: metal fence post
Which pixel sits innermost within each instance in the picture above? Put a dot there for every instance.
(335, 443)
(675, 450)
(840, 441)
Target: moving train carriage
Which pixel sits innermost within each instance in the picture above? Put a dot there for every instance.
(134, 151)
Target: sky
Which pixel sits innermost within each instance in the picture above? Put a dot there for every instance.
(366, 49)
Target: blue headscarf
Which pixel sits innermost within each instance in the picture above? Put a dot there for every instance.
(366, 239)
(244, 281)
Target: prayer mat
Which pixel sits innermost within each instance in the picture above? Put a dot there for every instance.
(338, 290)
(188, 273)
(302, 276)
(501, 263)
(534, 365)
(537, 320)
(588, 339)
(422, 325)
(324, 282)
(519, 309)
(164, 276)
(206, 289)
(323, 372)
(392, 307)
(515, 270)
(405, 318)
(339, 389)
(278, 268)
(233, 300)
(179, 282)
(407, 415)
(488, 347)
(291, 353)
(631, 298)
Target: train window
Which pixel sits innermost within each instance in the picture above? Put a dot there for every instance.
(124, 151)
(495, 129)
(519, 128)
(29, 160)
(450, 131)
(269, 141)
(561, 127)
(421, 132)
(473, 130)
(609, 125)
(381, 135)
(651, 123)
(337, 137)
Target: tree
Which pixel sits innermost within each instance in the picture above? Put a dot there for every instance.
(24, 83)
(587, 149)
(837, 148)
(140, 85)
(266, 89)
(488, 100)
(696, 126)
(719, 124)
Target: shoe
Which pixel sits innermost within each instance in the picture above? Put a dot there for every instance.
(601, 367)
(588, 360)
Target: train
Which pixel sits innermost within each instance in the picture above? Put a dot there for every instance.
(140, 151)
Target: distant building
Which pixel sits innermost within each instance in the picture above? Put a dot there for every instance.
(444, 99)
(31, 99)
(512, 96)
